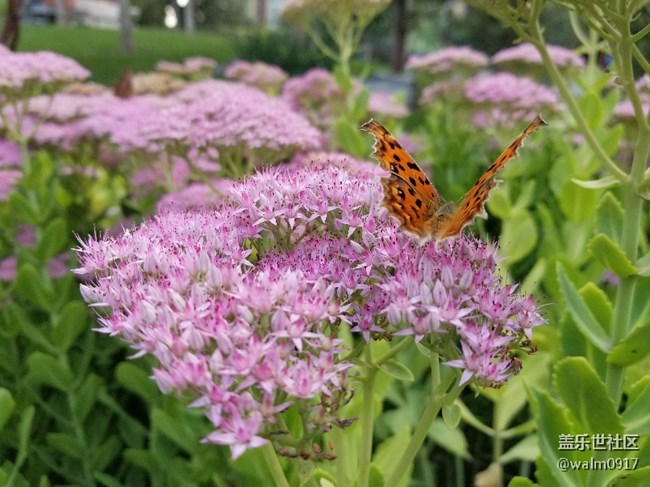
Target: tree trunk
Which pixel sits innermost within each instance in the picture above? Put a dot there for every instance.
(126, 26)
(261, 13)
(188, 18)
(61, 11)
(401, 26)
(11, 31)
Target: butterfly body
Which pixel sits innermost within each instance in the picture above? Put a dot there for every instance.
(411, 198)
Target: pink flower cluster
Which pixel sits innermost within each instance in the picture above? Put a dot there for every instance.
(383, 104)
(10, 161)
(190, 66)
(624, 111)
(22, 74)
(266, 77)
(241, 304)
(504, 98)
(314, 94)
(526, 53)
(448, 59)
(442, 91)
(208, 116)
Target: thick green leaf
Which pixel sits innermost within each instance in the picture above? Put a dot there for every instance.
(23, 210)
(69, 324)
(611, 255)
(14, 318)
(377, 479)
(578, 204)
(632, 478)
(24, 429)
(66, 444)
(499, 204)
(602, 183)
(585, 394)
(108, 480)
(511, 399)
(343, 79)
(7, 406)
(534, 276)
(643, 266)
(581, 314)
(527, 450)
(551, 240)
(350, 139)
(598, 302)
(609, 217)
(575, 239)
(633, 348)
(521, 482)
(293, 420)
(397, 370)
(389, 453)
(635, 417)
(553, 422)
(526, 197)
(136, 380)
(87, 395)
(324, 478)
(451, 415)
(54, 240)
(453, 441)
(592, 109)
(144, 459)
(360, 105)
(47, 370)
(518, 237)
(176, 428)
(34, 287)
(545, 475)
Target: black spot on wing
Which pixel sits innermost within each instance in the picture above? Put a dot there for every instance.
(413, 165)
(396, 157)
(418, 203)
(412, 181)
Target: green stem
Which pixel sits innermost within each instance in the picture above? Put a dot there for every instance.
(641, 34)
(272, 461)
(437, 399)
(341, 451)
(367, 420)
(538, 40)
(497, 442)
(640, 58)
(393, 351)
(633, 204)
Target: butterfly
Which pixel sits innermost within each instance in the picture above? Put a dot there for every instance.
(411, 198)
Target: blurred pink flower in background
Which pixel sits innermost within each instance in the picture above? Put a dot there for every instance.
(526, 53)
(447, 60)
(506, 99)
(314, 94)
(266, 77)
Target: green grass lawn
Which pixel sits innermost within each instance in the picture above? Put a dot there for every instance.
(99, 49)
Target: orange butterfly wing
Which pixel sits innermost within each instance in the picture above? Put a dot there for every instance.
(408, 193)
(414, 201)
(473, 204)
